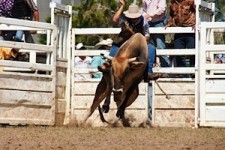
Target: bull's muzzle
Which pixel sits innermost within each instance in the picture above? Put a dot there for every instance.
(118, 90)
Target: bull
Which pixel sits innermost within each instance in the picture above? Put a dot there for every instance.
(122, 76)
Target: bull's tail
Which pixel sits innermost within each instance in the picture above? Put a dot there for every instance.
(88, 115)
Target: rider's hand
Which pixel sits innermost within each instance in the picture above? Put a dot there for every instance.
(122, 2)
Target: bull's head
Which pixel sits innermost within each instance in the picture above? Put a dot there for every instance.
(122, 69)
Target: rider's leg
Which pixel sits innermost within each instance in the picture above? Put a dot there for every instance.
(151, 60)
(113, 50)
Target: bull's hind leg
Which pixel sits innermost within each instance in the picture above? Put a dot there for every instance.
(100, 94)
(131, 96)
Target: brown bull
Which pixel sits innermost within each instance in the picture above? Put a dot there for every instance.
(122, 76)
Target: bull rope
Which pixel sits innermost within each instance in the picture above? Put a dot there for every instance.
(167, 97)
(157, 65)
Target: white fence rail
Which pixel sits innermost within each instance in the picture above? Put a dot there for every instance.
(161, 30)
(31, 48)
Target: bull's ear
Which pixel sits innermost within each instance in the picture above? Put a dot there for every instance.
(107, 64)
(137, 65)
(104, 67)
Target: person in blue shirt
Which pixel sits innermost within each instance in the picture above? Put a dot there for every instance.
(98, 60)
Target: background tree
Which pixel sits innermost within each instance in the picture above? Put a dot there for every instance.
(42, 38)
(95, 14)
(220, 17)
(220, 9)
(99, 14)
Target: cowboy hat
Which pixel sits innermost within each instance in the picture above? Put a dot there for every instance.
(79, 46)
(133, 11)
(107, 42)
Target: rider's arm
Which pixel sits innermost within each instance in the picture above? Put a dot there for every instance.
(116, 17)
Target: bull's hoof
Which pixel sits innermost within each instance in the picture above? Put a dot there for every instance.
(120, 114)
(105, 108)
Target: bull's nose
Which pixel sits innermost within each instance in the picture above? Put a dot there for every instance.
(118, 90)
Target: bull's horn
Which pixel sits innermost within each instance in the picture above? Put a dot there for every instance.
(107, 57)
(136, 63)
(132, 59)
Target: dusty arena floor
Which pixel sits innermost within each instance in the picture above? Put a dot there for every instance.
(108, 138)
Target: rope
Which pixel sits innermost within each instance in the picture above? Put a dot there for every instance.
(167, 97)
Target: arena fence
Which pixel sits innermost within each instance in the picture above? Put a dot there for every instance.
(176, 106)
(27, 90)
(143, 104)
(211, 77)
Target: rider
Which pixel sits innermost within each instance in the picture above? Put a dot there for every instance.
(131, 22)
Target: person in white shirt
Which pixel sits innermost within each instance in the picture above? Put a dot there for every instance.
(82, 62)
(154, 11)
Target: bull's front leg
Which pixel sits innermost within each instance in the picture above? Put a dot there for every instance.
(105, 106)
(109, 79)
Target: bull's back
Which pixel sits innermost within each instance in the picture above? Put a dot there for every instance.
(136, 46)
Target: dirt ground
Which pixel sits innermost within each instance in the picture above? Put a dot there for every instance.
(102, 138)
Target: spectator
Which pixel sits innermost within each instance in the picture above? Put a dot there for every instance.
(98, 60)
(7, 53)
(25, 9)
(6, 8)
(154, 11)
(182, 14)
(131, 22)
(104, 44)
(21, 9)
(82, 62)
(220, 59)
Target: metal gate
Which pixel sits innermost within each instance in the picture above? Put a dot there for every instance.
(61, 16)
(211, 77)
(27, 89)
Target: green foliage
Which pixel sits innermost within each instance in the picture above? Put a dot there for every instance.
(99, 14)
(43, 37)
(220, 16)
(95, 14)
(220, 5)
